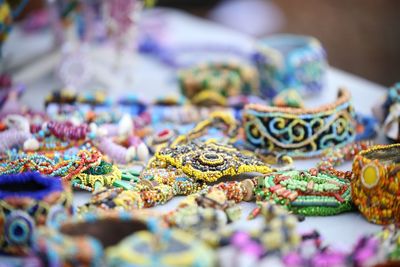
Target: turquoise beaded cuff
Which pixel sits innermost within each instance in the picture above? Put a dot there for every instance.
(310, 193)
(290, 61)
(29, 200)
(301, 132)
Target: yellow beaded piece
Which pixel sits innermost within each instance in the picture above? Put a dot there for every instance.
(98, 181)
(210, 161)
(375, 185)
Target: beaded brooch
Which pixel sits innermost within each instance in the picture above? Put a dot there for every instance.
(210, 161)
(310, 193)
(375, 186)
(29, 200)
(290, 61)
(301, 132)
(213, 83)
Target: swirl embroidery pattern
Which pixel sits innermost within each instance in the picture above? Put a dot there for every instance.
(301, 132)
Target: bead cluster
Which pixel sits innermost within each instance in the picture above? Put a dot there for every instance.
(212, 83)
(310, 193)
(375, 185)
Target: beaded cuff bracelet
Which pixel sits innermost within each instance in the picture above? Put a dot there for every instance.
(301, 132)
(290, 61)
(82, 241)
(375, 186)
(310, 193)
(171, 247)
(213, 83)
(28, 200)
(210, 161)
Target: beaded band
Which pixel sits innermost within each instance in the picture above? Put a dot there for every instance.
(375, 186)
(310, 193)
(29, 200)
(290, 61)
(301, 132)
(171, 247)
(82, 241)
(213, 83)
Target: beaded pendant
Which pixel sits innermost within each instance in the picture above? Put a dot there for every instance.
(309, 193)
(210, 161)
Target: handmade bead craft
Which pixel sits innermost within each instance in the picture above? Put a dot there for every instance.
(375, 185)
(277, 236)
(171, 247)
(82, 241)
(334, 157)
(212, 83)
(314, 192)
(27, 201)
(96, 177)
(301, 132)
(86, 170)
(290, 62)
(210, 161)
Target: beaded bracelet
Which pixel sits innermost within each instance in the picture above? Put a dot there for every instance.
(213, 83)
(29, 200)
(290, 61)
(171, 247)
(82, 241)
(375, 186)
(311, 193)
(210, 161)
(86, 170)
(301, 132)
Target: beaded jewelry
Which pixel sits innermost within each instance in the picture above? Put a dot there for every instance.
(210, 161)
(290, 61)
(375, 185)
(334, 157)
(315, 192)
(171, 247)
(29, 200)
(301, 132)
(82, 241)
(66, 169)
(211, 84)
(217, 120)
(94, 178)
(277, 236)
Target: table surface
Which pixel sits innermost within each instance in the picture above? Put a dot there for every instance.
(148, 78)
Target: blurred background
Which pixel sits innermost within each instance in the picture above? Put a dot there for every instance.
(361, 36)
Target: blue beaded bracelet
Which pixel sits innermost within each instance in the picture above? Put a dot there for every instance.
(290, 62)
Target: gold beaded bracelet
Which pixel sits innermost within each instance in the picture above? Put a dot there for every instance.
(375, 185)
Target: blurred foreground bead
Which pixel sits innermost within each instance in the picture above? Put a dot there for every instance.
(27, 201)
